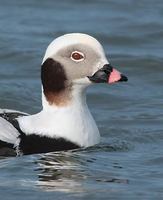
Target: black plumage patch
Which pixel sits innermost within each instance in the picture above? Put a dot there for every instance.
(53, 76)
(53, 80)
(11, 116)
(31, 144)
(6, 149)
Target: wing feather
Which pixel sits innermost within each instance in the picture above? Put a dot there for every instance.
(8, 133)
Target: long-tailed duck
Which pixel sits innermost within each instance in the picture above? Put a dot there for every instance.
(71, 63)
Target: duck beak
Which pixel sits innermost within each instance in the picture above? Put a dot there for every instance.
(107, 74)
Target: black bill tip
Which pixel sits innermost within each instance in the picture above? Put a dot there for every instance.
(123, 78)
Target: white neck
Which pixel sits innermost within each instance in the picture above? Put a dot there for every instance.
(73, 122)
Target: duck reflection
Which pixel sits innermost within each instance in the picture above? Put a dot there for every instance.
(79, 171)
(61, 172)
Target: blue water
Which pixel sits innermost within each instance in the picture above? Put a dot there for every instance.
(128, 163)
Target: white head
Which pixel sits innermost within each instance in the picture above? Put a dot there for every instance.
(74, 61)
(71, 63)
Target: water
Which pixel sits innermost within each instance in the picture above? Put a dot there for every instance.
(128, 163)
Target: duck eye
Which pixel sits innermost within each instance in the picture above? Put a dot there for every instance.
(77, 56)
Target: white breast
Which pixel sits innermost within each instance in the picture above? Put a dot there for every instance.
(73, 122)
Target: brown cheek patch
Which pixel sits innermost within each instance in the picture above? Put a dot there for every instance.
(54, 82)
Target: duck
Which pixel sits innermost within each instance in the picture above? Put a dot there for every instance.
(71, 63)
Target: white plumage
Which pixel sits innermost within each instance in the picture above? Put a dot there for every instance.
(7, 132)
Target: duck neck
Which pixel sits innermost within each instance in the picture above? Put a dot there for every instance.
(74, 97)
(72, 121)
